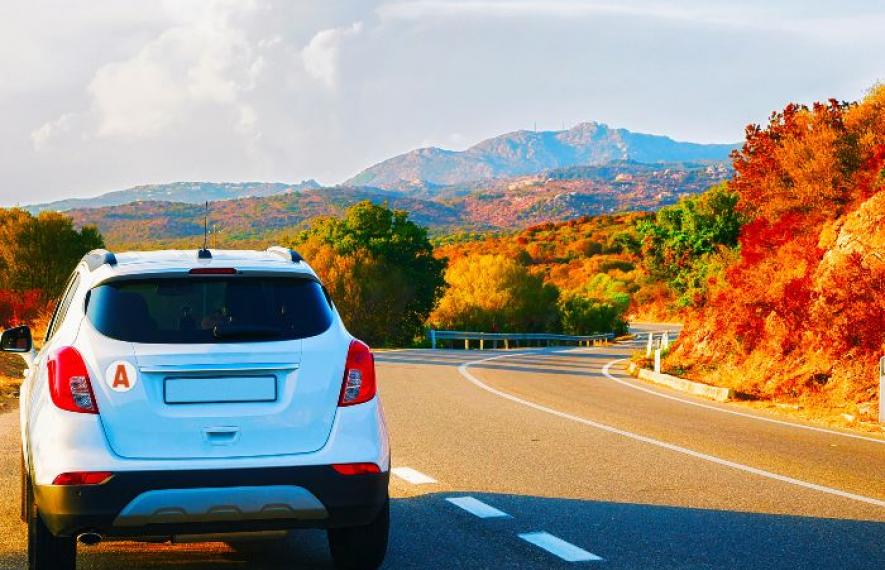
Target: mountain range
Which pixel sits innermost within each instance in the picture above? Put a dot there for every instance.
(509, 181)
(497, 204)
(185, 192)
(528, 152)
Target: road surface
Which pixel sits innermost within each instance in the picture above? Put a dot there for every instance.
(554, 458)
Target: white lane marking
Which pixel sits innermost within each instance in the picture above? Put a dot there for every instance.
(414, 477)
(558, 547)
(607, 367)
(463, 369)
(477, 507)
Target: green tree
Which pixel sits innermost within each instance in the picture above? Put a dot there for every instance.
(598, 306)
(379, 267)
(40, 252)
(683, 241)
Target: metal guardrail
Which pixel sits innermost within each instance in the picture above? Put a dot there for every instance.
(517, 339)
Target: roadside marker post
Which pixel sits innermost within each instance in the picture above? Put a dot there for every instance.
(882, 390)
(649, 347)
(665, 340)
(658, 360)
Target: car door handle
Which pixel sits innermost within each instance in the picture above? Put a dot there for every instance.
(224, 435)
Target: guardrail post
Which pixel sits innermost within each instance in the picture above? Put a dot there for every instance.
(650, 345)
(665, 340)
(658, 360)
(506, 344)
(466, 344)
(882, 390)
(432, 338)
(482, 343)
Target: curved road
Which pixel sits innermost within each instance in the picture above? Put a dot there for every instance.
(554, 458)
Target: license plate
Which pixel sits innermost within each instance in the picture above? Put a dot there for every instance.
(222, 390)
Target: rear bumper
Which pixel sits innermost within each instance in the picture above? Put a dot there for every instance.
(146, 503)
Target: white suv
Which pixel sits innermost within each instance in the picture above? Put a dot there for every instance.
(186, 395)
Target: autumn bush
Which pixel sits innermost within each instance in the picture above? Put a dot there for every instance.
(799, 313)
(493, 293)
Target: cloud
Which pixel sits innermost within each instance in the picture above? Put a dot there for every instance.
(765, 16)
(43, 137)
(320, 56)
(204, 58)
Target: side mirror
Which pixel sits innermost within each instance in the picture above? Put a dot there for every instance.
(17, 339)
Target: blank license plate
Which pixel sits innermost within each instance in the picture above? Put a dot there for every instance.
(225, 390)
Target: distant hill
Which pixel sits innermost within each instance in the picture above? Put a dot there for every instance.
(140, 224)
(185, 192)
(530, 152)
(505, 203)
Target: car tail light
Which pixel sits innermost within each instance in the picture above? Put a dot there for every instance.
(356, 468)
(82, 478)
(359, 375)
(69, 383)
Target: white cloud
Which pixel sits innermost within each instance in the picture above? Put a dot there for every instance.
(42, 137)
(320, 56)
(202, 59)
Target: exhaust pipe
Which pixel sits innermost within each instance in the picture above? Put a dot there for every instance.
(89, 538)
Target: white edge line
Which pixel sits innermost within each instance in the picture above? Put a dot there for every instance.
(477, 508)
(558, 547)
(607, 367)
(463, 369)
(412, 476)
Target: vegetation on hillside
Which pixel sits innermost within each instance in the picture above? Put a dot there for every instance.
(797, 311)
(587, 268)
(504, 204)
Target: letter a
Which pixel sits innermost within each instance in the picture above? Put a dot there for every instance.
(121, 379)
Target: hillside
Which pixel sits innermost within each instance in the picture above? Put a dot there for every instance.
(503, 204)
(185, 192)
(530, 152)
(142, 223)
(797, 312)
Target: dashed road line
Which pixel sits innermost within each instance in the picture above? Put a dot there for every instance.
(463, 370)
(411, 476)
(477, 508)
(558, 547)
(607, 367)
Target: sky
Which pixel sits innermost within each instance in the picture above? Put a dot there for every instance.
(103, 95)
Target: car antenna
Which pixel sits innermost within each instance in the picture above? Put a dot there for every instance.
(205, 253)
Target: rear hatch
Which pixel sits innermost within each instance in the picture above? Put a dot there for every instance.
(213, 366)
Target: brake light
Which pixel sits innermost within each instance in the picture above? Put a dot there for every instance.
(69, 384)
(213, 271)
(358, 385)
(82, 478)
(356, 468)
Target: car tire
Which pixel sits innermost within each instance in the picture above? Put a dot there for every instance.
(45, 550)
(361, 547)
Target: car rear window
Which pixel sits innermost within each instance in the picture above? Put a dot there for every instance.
(209, 309)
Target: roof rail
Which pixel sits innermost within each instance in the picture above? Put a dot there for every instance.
(98, 257)
(286, 253)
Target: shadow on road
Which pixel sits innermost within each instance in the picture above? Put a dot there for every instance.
(429, 532)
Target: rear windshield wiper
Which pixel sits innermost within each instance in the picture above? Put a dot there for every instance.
(245, 331)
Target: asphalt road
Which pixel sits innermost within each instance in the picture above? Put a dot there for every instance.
(558, 446)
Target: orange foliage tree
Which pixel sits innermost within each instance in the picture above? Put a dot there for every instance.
(801, 312)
